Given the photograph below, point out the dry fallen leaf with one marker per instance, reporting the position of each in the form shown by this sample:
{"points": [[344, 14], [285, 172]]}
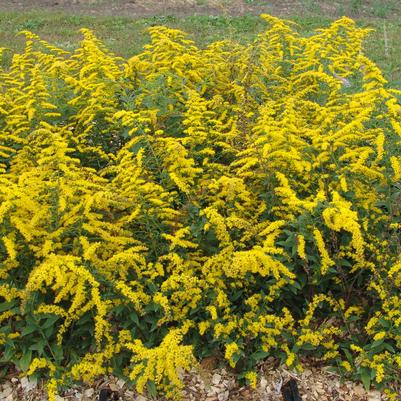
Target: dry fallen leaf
{"points": [[374, 396]]}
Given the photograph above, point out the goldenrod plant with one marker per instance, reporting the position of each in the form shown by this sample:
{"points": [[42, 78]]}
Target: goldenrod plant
{"points": [[238, 200]]}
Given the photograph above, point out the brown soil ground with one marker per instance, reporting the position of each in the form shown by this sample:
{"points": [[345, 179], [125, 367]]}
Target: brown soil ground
{"points": [[144, 8]]}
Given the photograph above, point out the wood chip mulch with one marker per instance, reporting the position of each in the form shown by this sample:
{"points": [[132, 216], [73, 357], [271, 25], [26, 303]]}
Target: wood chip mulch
{"points": [[314, 384]]}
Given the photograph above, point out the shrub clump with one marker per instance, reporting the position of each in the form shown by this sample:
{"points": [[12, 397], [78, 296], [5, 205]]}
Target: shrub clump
{"points": [[240, 200]]}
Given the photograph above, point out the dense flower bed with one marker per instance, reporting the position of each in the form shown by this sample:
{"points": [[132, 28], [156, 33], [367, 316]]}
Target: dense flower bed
{"points": [[236, 200]]}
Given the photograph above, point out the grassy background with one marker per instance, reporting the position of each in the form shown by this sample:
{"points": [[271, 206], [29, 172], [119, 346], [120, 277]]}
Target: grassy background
{"points": [[126, 35]]}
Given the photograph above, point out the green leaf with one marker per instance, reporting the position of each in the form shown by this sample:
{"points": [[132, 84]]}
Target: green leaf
{"points": [[151, 388], [25, 361], [348, 355], [365, 378], [296, 285], [376, 344], [308, 347], [5, 306], [29, 330], [331, 369], [134, 318], [57, 351], [48, 332], [389, 347], [258, 355], [345, 262], [39, 346], [154, 325], [84, 320], [8, 353], [50, 321]]}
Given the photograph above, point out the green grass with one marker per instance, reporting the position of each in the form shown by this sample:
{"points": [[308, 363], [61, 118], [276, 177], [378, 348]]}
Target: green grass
{"points": [[126, 36]]}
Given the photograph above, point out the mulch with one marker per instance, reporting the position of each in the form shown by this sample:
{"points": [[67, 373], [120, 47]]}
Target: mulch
{"points": [[313, 384]]}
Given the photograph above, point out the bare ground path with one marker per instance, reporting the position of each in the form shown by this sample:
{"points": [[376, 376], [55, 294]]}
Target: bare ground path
{"points": [[142, 8], [145, 8]]}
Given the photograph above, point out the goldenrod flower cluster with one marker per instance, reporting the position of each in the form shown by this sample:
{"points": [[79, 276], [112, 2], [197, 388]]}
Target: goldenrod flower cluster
{"points": [[238, 199]]}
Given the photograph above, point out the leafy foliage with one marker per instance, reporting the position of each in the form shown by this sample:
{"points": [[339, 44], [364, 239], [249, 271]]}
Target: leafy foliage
{"points": [[242, 200]]}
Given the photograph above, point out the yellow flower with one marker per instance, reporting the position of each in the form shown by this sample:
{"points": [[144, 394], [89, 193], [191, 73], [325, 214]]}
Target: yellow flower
{"points": [[153, 203], [301, 247], [252, 378], [379, 336], [231, 350], [395, 164], [347, 366], [379, 373], [356, 348], [326, 260]]}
